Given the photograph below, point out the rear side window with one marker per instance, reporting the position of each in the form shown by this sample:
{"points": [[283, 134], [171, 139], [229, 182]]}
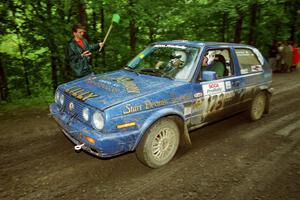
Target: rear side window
{"points": [[248, 61]]}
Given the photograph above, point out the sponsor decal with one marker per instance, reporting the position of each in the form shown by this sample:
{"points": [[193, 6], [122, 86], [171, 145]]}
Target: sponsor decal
{"points": [[256, 68], [244, 71], [131, 109], [117, 78], [175, 98], [154, 104], [197, 105], [213, 88], [131, 87], [228, 85], [80, 93], [103, 84], [127, 82], [213, 103], [187, 110], [198, 95], [144, 106], [141, 56]]}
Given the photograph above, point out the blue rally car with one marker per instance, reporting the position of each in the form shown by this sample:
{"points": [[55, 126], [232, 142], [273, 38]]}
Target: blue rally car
{"points": [[167, 90]]}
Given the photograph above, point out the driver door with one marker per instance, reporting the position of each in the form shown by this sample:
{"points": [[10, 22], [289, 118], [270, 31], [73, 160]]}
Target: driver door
{"points": [[214, 99]]}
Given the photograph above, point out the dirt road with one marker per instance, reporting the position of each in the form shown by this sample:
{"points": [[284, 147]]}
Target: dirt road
{"points": [[231, 159]]}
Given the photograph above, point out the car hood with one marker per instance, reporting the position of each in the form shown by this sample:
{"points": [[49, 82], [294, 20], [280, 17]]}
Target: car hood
{"points": [[105, 90]]}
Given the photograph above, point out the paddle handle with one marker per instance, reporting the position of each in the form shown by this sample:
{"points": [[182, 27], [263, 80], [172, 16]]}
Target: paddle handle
{"points": [[105, 38]]}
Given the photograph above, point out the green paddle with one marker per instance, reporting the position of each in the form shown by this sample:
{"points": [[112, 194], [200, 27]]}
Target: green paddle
{"points": [[115, 19]]}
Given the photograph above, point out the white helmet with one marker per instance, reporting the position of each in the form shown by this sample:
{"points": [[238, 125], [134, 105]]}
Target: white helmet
{"points": [[180, 55], [210, 56]]}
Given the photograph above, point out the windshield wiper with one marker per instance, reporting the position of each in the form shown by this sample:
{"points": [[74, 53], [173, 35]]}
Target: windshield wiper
{"points": [[167, 76], [154, 72], [131, 70]]}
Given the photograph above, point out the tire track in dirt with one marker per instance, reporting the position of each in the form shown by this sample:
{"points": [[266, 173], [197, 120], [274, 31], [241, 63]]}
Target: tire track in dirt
{"points": [[138, 185], [253, 174], [226, 157]]}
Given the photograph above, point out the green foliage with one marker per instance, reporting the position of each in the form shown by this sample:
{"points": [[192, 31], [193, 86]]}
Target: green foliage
{"points": [[34, 33], [43, 99]]}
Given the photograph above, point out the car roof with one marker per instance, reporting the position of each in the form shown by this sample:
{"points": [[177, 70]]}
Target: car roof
{"points": [[199, 43]]}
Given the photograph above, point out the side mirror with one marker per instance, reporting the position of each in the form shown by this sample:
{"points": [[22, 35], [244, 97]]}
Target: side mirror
{"points": [[209, 75]]}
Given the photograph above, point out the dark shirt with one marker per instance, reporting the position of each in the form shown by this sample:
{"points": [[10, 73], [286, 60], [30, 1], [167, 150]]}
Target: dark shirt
{"points": [[217, 67], [80, 65], [273, 52]]}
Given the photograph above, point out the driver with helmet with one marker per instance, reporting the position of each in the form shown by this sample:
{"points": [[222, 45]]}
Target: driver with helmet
{"points": [[178, 59], [210, 64]]}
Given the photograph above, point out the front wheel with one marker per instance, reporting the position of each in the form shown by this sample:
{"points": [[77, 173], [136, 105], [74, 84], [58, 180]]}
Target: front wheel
{"points": [[159, 144], [258, 106]]}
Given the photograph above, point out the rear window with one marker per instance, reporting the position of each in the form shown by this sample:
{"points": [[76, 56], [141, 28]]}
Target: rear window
{"points": [[248, 61]]}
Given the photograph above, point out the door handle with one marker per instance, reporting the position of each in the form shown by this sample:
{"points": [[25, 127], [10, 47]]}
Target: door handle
{"points": [[235, 83]]}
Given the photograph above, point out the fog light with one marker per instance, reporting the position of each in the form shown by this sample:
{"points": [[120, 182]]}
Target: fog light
{"points": [[85, 114]]}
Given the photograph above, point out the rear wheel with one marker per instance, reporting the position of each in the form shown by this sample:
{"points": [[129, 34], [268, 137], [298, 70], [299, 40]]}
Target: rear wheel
{"points": [[159, 143], [258, 106]]}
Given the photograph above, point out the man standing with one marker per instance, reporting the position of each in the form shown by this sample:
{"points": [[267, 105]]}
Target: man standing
{"points": [[79, 52], [273, 54]]}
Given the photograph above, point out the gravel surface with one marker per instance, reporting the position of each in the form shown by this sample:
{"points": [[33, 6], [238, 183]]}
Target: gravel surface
{"points": [[231, 159]]}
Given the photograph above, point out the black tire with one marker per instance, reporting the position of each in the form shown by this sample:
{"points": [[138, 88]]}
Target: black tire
{"points": [[159, 144], [258, 106]]}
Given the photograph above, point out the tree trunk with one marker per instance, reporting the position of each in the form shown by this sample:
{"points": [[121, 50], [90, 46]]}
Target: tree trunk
{"points": [[96, 36], [132, 35], [238, 30], [102, 33], [151, 33], [52, 47], [223, 26], [82, 18], [3, 82], [238, 26], [253, 15], [132, 26], [53, 71], [294, 13], [27, 87]]}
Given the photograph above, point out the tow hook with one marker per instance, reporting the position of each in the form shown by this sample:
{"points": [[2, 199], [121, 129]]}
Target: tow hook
{"points": [[78, 147]]}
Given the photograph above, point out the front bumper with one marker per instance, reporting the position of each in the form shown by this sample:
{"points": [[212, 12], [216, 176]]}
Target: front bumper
{"points": [[106, 145]]}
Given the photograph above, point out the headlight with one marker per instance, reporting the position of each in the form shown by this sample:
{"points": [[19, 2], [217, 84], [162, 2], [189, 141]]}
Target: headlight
{"points": [[86, 114], [56, 97], [98, 121], [61, 99]]}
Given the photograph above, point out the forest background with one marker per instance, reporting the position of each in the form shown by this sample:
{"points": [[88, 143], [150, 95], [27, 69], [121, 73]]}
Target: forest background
{"points": [[34, 34]]}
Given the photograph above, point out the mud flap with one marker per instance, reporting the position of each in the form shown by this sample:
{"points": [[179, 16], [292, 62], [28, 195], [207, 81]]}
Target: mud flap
{"points": [[269, 94], [185, 139]]}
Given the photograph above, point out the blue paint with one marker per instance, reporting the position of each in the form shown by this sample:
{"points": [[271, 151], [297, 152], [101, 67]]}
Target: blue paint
{"points": [[126, 96]]}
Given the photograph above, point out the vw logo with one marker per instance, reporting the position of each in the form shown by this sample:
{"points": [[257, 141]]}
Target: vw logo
{"points": [[71, 106]]}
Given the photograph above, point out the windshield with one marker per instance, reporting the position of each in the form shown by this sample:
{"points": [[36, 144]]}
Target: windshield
{"points": [[170, 61]]}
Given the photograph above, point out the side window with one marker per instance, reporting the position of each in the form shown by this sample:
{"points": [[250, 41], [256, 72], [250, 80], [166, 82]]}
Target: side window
{"points": [[248, 61], [218, 60]]}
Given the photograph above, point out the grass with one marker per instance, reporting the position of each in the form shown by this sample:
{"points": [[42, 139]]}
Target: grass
{"points": [[27, 103]]}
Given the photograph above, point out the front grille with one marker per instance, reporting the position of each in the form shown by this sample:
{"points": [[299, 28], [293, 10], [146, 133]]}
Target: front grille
{"points": [[78, 107]]}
